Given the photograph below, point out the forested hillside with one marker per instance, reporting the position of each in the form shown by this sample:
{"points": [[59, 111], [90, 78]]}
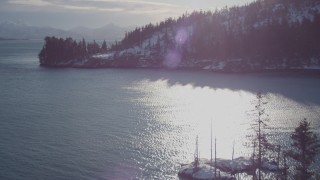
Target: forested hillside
{"points": [[265, 34]]}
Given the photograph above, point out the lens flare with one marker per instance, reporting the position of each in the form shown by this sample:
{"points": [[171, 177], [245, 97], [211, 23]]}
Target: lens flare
{"points": [[181, 36], [174, 56], [172, 59]]}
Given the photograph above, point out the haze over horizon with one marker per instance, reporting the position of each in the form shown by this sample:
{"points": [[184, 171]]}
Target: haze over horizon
{"points": [[67, 14]]}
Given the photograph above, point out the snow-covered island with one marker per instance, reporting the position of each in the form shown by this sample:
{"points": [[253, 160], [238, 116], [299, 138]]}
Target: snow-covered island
{"points": [[261, 36]]}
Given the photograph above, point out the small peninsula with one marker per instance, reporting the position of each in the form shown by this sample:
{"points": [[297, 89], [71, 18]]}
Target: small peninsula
{"points": [[261, 36]]}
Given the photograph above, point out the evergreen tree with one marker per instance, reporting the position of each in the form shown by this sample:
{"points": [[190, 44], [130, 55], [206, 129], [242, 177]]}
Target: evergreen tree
{"points": [[104, 47], [260, 137], [306, 146], [93, 48], [58, 50], [83, 47]]}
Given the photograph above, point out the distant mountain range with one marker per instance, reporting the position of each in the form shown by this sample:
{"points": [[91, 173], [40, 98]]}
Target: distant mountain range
{"points": [[107, 32], [21, 30]]}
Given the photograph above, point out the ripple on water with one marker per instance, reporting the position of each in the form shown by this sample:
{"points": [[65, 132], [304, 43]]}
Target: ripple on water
{"points": [[129, 124]]}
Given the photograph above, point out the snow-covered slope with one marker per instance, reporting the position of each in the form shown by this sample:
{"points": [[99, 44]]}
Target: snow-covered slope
{"points": [[213, 40]]}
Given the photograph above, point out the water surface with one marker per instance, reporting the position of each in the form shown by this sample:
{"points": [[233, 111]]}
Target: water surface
{"points": [[133, 123]]}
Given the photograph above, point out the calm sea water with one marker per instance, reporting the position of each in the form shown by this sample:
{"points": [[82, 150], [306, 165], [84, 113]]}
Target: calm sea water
{"points": [[133, 124]]}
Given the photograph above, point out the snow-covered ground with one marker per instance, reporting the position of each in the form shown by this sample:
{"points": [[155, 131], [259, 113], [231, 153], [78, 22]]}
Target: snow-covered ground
{"points": [[156, 47], [226, 169]]}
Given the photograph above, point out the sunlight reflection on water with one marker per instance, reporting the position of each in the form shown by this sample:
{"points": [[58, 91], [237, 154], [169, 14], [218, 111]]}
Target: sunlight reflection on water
{"points": [[193, 109], [178, 113], [84, 124]]}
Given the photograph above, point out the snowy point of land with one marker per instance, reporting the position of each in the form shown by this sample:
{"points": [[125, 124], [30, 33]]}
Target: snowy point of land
{"points": [[226, 169], [103, 56]]}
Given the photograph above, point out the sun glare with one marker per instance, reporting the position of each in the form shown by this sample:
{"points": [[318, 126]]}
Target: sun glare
{"points": [[194, 109]]}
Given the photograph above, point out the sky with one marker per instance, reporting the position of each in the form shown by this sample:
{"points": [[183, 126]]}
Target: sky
{"points": [[67, 14]]}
